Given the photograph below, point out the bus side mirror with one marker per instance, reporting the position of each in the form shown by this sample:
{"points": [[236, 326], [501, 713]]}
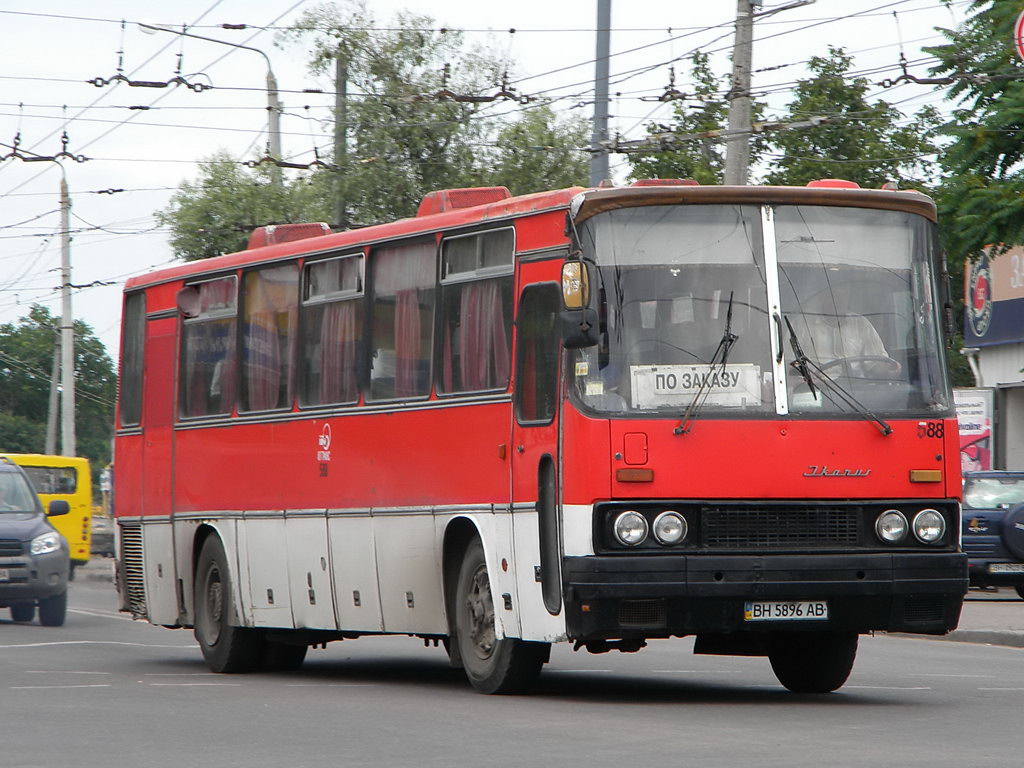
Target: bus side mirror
{"points": [[579, 317], [57, 508]]}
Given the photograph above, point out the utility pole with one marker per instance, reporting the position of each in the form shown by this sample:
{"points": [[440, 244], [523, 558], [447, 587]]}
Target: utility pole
{"points": [[737, 147], [67, 330], [598, 143], [54, 402], [340, 132]]}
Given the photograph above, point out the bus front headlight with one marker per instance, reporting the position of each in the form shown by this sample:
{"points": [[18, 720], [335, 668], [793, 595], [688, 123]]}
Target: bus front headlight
{"points": [[630, 528], [891, 526], [669, 527], [929, 526]]}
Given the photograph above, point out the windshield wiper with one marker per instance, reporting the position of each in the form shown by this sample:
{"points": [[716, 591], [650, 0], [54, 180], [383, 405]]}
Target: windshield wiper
{"points": [[715, 366], [830, 388]]}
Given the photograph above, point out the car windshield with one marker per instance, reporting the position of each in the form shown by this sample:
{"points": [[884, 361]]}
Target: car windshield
{"points": [[686, 295], [15, 493], [993, 492]]}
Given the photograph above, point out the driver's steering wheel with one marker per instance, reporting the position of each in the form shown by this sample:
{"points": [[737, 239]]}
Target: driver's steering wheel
{"points": [[894, 365]]}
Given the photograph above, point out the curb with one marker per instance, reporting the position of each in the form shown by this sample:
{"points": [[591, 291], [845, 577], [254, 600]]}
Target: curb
{"points": [[987, 637], [1004, 637]]}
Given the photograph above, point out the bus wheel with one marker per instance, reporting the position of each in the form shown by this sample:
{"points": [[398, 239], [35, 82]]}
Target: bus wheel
{"points": [[492, 665], [225, 648], [812, 662], [23, 612], [53, 609]]}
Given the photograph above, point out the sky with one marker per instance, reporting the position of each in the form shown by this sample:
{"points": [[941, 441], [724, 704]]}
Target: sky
{"points": [[58, 59]]}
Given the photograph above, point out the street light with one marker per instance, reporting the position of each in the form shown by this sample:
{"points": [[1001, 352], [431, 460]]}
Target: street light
{"points": [[273, 103]]}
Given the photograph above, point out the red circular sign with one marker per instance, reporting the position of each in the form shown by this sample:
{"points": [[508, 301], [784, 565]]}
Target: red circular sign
{"points": [[1018, 35]]}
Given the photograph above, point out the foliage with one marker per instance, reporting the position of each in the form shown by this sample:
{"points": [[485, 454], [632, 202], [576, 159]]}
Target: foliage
{"points": [[981, 201], [863, 141], [683, 157], [539, 151], [26, 358], [403, 138], [215, 214]]}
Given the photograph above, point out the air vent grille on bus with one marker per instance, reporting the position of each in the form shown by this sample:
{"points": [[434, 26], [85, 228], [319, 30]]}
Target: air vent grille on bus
{"points": [[133, 569], [779, 527]]}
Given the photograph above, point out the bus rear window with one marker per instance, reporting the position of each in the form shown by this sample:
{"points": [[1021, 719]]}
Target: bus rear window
{"points": [[52, 479]]}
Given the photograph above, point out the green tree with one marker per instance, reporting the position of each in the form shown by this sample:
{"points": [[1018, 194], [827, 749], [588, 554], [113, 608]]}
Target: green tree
{"points": [[407, 132], [26, 358], [216, 213], [981, 201], [869, 142], [539, 151], [686, 154]]}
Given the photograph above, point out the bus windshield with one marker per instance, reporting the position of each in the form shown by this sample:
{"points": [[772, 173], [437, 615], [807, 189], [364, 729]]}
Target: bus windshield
{"points": [[714, 303]]}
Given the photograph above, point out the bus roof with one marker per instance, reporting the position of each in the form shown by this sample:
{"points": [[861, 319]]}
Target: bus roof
{"points": [[594, 201], [459, 217]]}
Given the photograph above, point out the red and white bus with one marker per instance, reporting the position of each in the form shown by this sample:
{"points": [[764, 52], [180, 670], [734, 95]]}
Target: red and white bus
{"points": [[590, 415]]}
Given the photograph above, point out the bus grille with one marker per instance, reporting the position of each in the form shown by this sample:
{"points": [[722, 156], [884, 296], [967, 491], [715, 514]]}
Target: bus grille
{"points": [[780, 527], [132, 566], [11, 548]]}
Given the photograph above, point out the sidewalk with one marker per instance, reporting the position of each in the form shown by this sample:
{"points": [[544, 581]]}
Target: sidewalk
{"points": [[995, 618]]}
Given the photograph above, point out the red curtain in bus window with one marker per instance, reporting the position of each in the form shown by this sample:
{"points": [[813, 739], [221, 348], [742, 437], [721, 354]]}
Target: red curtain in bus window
{"points": [[407, 343], [482, 339], [339, 335]]}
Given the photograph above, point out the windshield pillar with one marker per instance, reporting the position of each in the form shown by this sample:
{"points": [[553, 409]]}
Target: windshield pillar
{"points": [[776, 335]]}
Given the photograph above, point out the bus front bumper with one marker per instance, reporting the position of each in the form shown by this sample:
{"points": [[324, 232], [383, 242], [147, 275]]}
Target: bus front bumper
{"points": [[641, 596]]}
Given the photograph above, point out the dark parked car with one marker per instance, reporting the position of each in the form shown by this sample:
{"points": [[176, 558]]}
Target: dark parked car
{"points": [[993, 528], [34, 557]]}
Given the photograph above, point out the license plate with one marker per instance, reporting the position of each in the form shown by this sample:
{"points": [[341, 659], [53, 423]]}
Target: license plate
{"points": [[5, 574], [1006, 567], [786, 610]]}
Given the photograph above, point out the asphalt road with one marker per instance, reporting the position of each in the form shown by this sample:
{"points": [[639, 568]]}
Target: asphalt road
{"points": [[104, 690]]}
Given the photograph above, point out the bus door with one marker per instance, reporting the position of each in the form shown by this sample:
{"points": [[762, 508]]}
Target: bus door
{"points": [[535, 461], [158, 414]]}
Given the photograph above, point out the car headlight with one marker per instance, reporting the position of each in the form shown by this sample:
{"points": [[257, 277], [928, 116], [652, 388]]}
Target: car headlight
{"points": [[891, 526], [929, 526], [48, 542], [669, 527], [630, 528]]}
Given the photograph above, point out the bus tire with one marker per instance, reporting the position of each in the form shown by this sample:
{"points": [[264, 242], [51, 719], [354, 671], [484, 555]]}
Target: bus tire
{"points": [[492, 665], [225, 647], [52, 610], [23, 612], [812, 662]]}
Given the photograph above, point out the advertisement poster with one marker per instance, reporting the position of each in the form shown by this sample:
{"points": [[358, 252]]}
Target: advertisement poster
{"points": [[974, 413]]}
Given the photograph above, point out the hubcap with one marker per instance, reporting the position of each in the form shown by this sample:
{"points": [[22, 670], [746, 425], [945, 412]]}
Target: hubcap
{"points": [[480, 610]]}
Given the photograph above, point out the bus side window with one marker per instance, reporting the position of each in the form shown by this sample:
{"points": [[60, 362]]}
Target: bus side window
{"points": [[269, 312], [208, 351], [332, 323], [537, 354], [403, 320], [476, 311], [132, 342]]}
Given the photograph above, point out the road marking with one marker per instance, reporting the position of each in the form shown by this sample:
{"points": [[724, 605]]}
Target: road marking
{"points": [[61, 672], [889, 687], [101, 614], [576, 671], [192, 685], [695, 671], [1001, 689], [333, 685], [936, 674], [50, 687], [95, 642], [176, 674]]}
